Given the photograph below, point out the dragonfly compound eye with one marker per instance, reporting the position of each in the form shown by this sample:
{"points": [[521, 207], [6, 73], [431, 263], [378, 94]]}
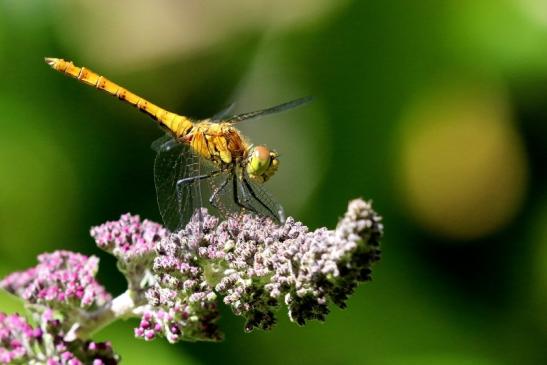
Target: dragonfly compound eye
{"points": [[262, 163]]}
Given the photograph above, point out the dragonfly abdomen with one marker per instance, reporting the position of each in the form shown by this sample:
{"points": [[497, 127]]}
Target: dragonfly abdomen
{"points": [[177, 124]]}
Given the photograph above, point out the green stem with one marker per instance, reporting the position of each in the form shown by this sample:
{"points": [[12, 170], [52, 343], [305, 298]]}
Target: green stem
{"points": [[126, 305]]}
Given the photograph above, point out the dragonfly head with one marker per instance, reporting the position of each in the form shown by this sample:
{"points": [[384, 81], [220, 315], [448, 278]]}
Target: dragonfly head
{"points": [[262, 163]]}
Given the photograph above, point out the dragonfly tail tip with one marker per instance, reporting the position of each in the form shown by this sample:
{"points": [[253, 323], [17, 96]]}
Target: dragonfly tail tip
{"points": [[51, 61]]}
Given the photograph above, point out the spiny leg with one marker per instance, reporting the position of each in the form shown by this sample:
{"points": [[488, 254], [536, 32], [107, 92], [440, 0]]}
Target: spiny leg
{"points": [[193, 179], [247, 201], [212, 199], [190, 180], [252, 192], [236, 195]]}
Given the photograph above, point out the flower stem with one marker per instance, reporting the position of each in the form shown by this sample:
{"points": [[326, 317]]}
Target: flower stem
{"points": [[126, 305]]}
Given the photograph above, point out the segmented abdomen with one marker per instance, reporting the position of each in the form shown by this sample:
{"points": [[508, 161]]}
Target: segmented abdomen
{"points": [[178, 124]]}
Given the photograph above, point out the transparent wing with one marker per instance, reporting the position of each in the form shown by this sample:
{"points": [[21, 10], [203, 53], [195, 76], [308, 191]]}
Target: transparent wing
{"points": [[177, 202], [275, 109], [260, 201], [222, 196], [162, 142], [221, 115]]}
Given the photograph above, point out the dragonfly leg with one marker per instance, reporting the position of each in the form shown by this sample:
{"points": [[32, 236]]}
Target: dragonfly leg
{"points": [[236, 196], [252, 192], [193, 179], [212, 199], [247, 200], [182, 183]]}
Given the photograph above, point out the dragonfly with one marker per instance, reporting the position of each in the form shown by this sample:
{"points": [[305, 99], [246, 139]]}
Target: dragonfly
{"points": [[200, 158]]}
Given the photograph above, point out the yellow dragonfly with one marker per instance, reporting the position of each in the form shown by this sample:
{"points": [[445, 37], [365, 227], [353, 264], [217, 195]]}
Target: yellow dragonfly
{"points": [[207, 157]]}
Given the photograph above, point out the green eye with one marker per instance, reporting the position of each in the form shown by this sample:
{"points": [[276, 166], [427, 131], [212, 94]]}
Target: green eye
{"points": [[259, 161]]}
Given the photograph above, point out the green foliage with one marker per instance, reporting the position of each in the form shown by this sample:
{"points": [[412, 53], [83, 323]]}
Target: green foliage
{"points": [[72, 157]]}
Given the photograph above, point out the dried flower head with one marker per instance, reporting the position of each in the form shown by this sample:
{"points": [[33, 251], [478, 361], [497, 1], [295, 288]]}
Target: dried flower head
{"points": [[256, 264]]}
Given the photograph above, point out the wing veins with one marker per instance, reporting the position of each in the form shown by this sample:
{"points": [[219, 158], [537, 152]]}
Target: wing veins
{"points": [[272, 110]]}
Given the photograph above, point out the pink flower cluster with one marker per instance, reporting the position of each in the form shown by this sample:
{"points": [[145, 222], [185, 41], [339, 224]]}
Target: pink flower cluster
{"points": [[256, 265], [15, 336], [175, 279], [133, 243], [61, 279], [128, 238], [182, 304], [20, 343]]}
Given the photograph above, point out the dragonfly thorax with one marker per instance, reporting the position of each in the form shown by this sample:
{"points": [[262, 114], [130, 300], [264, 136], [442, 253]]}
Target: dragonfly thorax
{"points": [[261, 163], [219, 143]]}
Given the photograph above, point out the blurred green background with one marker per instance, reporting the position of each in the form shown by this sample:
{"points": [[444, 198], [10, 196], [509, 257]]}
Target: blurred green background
{"points": [[436, 110]]}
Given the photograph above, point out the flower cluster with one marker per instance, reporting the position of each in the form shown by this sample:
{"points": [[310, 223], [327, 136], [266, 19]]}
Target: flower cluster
{"points": [[182, 302], [256, 264], [132, 242], [175, 280], [61, 280], [21, 343]]}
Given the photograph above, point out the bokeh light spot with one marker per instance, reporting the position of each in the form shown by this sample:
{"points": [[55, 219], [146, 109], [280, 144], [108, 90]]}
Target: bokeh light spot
{"points": [[463, 169], [131, 39]]}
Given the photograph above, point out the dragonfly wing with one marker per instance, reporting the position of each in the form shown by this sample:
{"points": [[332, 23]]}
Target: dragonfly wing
{"points": [[177, 202], [260, 201], [162, 143], [275, 109], [221, 115], [220, 190]]}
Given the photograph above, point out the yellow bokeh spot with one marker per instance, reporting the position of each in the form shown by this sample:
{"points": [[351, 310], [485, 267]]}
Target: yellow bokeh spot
{"points": [[463, 170]]}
